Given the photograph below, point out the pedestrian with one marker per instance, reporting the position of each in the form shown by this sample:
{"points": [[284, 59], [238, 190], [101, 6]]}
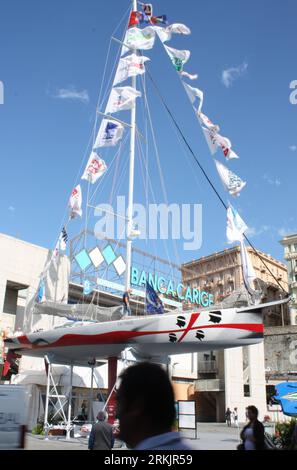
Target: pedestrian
{"points": [[84, 410], [228, 416], [126, 302], [252, 435], [294, 438], [101, 436], [146, 409], [235, 417]]}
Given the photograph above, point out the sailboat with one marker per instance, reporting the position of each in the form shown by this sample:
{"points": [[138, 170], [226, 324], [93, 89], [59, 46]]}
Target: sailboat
{"points": [[148, 336]]}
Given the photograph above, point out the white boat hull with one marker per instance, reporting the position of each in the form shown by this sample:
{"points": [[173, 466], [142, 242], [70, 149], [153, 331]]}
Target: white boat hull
{"points": [[149, 336]]}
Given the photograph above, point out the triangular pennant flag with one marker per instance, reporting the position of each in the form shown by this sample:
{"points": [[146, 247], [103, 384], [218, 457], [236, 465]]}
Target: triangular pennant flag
{"points": [[194, 93], [189, 75], [232, 183], [165, 34], [206, 122], [235, 226], [178, 57], [209, 137]]}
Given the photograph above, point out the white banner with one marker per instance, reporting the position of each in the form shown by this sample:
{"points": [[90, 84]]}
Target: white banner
{"points": [[109, 134], [121, 98], [130, 66], [95, 168], [143, 39], [75, 202]]}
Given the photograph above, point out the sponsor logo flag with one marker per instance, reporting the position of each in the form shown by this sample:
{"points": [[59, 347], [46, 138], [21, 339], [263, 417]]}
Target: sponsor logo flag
{"points": [[121, 98], [153, 304], [206, 122], [178, 57], [75, 202], [94, 168], [41, 292], [235, 226], [231, 182], [130, 66], [165, 34], [109, 134], [136, 38]]}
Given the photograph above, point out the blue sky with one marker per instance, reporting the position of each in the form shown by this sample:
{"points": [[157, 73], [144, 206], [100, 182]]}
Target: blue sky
{"points": [[52, 60]]}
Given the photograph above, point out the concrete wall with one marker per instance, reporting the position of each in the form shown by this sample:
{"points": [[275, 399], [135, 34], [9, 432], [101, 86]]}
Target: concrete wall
{"points": [[281, 349], [234, 396], [21, 265]]}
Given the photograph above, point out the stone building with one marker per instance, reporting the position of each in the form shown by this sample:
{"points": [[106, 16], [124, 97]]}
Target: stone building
{"points": [[289, 243]]}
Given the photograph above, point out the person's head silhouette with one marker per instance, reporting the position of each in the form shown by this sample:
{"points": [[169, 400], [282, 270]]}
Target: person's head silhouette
{"points": [[145, 403]]}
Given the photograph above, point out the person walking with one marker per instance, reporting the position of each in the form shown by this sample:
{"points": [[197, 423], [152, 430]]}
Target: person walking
{"points": [[101, 436], [252, 435], [126, 302], [235, 417], [228, 416], [146, 409]]}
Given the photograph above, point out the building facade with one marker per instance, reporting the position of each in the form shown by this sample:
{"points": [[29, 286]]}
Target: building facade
{"points": [[215, 379], [289, 243]]}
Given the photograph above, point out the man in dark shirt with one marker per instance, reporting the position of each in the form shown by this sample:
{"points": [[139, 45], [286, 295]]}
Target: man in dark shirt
{"points": [[126, 298], [101, 436]]}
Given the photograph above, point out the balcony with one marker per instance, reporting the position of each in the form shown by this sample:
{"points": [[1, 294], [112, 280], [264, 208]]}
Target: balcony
{"points": [[292, 255], [212, 385], [207, 367]]}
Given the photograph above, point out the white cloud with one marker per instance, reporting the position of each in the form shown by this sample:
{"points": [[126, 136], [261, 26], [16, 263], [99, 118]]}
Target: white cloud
{"points": [[283, 231], [293, 148], [71, 93], [233, 73], [11, 209], [254, 232], [271, 180]]}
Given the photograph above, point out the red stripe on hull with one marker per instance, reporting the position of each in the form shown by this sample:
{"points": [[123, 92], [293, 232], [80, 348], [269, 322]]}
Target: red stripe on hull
{"points": [[118, 337]]}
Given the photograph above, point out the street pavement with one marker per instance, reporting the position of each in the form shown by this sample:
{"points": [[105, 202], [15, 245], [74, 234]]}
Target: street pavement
{"points": [[210, 436]]}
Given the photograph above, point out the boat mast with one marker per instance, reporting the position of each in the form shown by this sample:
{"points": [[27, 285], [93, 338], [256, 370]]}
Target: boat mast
{"points": [[129, 225]]}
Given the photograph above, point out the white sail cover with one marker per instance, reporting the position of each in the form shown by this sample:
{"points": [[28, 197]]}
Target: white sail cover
{"points": [[194, 93], [178, 57], [165, 34], [130, 66], [231, 182], [121, 98], [248, 271], [109, 134], [75, 202], [142, 39], [235, 226], [95, 168]]}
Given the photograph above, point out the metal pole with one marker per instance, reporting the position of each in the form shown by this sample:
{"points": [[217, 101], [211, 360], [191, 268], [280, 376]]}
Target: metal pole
{"points": [[131, 180], [69, 404], [90, 413], [46, 425]]}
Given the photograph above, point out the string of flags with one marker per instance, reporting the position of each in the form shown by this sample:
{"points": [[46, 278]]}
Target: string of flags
{"points": [[122, 98]]}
